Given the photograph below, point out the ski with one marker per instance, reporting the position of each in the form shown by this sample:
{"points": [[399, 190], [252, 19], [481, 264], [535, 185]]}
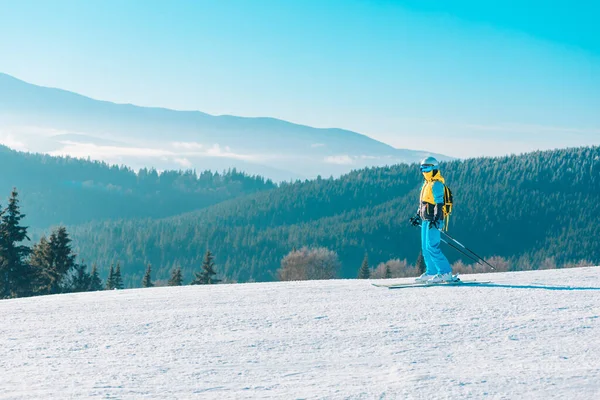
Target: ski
{"points": [[425, 284]]}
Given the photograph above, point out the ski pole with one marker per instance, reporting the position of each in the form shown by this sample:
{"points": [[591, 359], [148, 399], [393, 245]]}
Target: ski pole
{"points": [[467, 249], [472, 257], [462, 251], [458, 249]]}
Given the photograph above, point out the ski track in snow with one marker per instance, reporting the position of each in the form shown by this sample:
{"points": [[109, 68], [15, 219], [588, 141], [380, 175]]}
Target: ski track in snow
{"points": [[343, 339]]}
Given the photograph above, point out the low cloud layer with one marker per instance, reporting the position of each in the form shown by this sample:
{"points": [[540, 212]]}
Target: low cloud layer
{"points": [[339, 160], [9, 140]]}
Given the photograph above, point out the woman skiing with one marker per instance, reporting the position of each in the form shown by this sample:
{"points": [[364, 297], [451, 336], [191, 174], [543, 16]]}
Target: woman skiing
{"points": [[431, 217]]}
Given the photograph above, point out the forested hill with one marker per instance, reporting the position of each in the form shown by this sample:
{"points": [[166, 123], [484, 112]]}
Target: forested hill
{"points": [[58, 190], [528, 207]]}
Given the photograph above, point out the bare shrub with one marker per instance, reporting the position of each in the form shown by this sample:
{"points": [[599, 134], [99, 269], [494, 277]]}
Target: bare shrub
{"points": [[500, 264], [579, 264], [309, 264], [398, 269], [459, 267], [548, 263]]}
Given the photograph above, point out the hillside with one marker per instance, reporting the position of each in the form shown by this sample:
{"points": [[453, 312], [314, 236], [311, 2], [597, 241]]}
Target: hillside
{"points": [[528, 335], [56, 121], [58, 190], [526, 208]]}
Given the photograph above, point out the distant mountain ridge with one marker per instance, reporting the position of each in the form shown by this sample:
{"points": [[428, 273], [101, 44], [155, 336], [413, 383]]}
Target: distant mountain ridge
{"points": [[187, 138], [61, 190]]}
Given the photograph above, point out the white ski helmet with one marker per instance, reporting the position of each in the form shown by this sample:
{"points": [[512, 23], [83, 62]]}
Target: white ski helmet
{"points": [[430, 161]]}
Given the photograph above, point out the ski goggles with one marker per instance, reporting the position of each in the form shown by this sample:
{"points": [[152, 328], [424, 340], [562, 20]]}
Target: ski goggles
{"points": [[426, 168]]}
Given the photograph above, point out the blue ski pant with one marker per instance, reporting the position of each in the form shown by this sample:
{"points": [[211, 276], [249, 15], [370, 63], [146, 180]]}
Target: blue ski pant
{"points": [[435, 260]]}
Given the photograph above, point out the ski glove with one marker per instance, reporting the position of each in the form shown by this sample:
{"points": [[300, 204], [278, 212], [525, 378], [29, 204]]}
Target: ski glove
{"points": [[416, 220]]}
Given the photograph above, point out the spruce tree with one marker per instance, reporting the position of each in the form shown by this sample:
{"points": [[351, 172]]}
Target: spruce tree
{"points": [[63, 259], [118, 279], [95, 281], [16, 273], [205, 277], [81, 280], [42, 262], [365, 271], [176, 277], [110, 281], [147, 281], [421, 267]]}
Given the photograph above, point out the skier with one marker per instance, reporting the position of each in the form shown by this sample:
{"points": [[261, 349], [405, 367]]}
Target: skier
{"points": [[431, 217]]}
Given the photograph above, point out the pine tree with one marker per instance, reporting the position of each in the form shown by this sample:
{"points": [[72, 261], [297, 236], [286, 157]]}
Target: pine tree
{"points": [[147, 281], [15, 272], [81, 280], [421, 267], [205, 277], [42, 262], [364, 272], [388, 271], [118, 279], [95, 281], [176, 277], [63, 260], [110, 281]]}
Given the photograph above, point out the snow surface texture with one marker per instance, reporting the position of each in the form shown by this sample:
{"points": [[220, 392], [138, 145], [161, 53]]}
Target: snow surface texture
{"points": [[531, 336]]}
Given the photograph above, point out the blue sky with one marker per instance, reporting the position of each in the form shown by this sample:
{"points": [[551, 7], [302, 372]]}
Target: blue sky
{"points": [[465, 79]]}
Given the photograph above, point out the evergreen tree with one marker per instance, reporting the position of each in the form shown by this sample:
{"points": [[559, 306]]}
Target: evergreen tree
{"points": [[205, 277], [176, 277], [118, 279], [42, 262], [147, 281], [56, 261], [95, 281], [81, 280], [15, 272], [365, 271], [421, 267], [110, 281], [388, 271]]}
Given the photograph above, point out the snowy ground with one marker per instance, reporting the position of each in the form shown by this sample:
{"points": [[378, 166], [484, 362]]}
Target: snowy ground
{"points": [[529, 337]]}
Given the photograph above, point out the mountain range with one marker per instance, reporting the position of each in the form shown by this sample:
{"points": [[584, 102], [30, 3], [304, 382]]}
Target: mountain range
{"points": [[526, 208], [58, 122]]}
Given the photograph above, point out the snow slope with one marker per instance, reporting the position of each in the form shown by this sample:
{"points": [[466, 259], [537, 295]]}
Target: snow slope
{"points": [[534, 335]]}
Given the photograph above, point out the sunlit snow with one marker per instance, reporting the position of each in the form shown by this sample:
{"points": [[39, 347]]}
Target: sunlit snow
{"points": [[533, 335]]}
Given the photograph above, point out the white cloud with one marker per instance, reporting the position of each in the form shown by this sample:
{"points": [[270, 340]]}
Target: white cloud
{"points": [[83, 150], [374, 157], [192, 149], [184, 162], [339, 160], [216, 151], [10, 141], [120, 154]]}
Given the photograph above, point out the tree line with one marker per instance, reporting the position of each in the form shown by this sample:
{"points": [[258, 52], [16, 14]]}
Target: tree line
{"points": [[50, 266]]}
